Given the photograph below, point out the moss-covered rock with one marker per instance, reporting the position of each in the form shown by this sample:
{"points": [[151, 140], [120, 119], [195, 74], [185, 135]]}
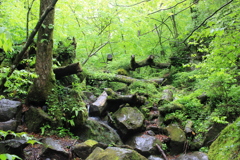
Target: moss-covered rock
{"points": [[83, 150], [36, 118], [98, 131], [178, 139], [227, 145], [115, 153], [128, 120]]}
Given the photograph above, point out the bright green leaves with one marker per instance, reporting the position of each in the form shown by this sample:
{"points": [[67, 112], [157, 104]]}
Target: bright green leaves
{"points": [[8, 157], [5, 39]]}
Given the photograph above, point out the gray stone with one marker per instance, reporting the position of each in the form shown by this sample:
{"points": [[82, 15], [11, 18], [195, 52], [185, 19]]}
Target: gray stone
{"points": [[8, 109], [193, 156], [10, 125], [145, 144], [98, 131], [128, 120], [53, 150]]}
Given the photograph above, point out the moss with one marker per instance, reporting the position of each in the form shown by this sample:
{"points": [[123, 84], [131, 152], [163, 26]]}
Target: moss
{"points": [[227, 145], [122, 71], [90, 142]]}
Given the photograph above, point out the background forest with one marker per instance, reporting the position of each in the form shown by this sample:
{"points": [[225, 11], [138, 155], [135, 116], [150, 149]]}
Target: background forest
{"points": [[198, 38]]}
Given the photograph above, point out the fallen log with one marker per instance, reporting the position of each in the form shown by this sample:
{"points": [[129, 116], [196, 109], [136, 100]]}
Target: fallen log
{"points": [[147, 62], [97, 107], [119, 78], [73, 68]]}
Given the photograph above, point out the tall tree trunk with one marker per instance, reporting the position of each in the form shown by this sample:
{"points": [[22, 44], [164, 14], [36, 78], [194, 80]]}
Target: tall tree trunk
{"points": [[42, 85]]}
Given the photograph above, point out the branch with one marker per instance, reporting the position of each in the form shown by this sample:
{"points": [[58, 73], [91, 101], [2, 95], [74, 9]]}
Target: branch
{"points": [[206, 20], [132, 4], [28, 43], [94, 53], [160, 149], [167, 8]]}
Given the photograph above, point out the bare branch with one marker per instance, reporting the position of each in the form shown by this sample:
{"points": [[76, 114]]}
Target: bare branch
{"points": [[131, 4], [94, 53], [167, 8], [206, 20]]}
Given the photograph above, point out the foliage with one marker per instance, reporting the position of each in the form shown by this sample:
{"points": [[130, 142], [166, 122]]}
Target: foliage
{"points": [[18, 83], [227, 144], [8, 157]]}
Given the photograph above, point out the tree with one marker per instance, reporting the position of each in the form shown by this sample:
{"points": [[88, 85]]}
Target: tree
{"points": [[42, 85]]}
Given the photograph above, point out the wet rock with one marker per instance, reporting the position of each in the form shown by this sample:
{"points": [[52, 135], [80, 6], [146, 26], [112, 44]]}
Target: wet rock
{"points": [[98, 131], [8, 109], [53, 150], [35, 118], [10, 125], [144, 144], [128, 120], [115, 153], [178, 139], [154, 158], [13, 146], [88, 97], [83, 150], [193, 156]]}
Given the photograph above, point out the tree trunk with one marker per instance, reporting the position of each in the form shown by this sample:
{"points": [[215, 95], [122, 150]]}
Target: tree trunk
{"points": [[42, 85], [74, 68]]}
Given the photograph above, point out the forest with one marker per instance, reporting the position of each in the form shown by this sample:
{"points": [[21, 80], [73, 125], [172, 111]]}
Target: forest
{"points": [[103, 73]]}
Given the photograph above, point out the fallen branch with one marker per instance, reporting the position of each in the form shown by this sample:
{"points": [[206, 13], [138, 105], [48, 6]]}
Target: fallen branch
{"points": [[74, 68], [160, 149]]}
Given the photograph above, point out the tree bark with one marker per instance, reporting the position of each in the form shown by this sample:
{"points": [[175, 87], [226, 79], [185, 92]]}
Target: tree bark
{"points": [[42, 85], [74, 68], [27, 44]]}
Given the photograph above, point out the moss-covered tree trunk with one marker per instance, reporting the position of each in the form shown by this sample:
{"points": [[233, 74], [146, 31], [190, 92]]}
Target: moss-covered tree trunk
{"points": [[42, 85]]}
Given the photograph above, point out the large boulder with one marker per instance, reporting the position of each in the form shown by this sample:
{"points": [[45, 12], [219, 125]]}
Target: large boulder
{"points": [[35, 118], [128, 120], [53, 150], [84, 149], [8, 125], [98, 131], [227, 145], [193, 156], [8, 109], [178, 139], [144, 144], [13, 146], [115, 153]]}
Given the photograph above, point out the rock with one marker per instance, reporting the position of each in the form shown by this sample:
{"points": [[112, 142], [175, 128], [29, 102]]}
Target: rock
{"points": [[193, 156], [144, 144], [128, 120], [8, 109], [178, 139], [98, 131], [10, 125], [154, 158], [115, 153], [53, 150], [227, 145], [88, 97], [213, 132], [35, 118], [83, 150], [13, 146], [166, 97]]}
